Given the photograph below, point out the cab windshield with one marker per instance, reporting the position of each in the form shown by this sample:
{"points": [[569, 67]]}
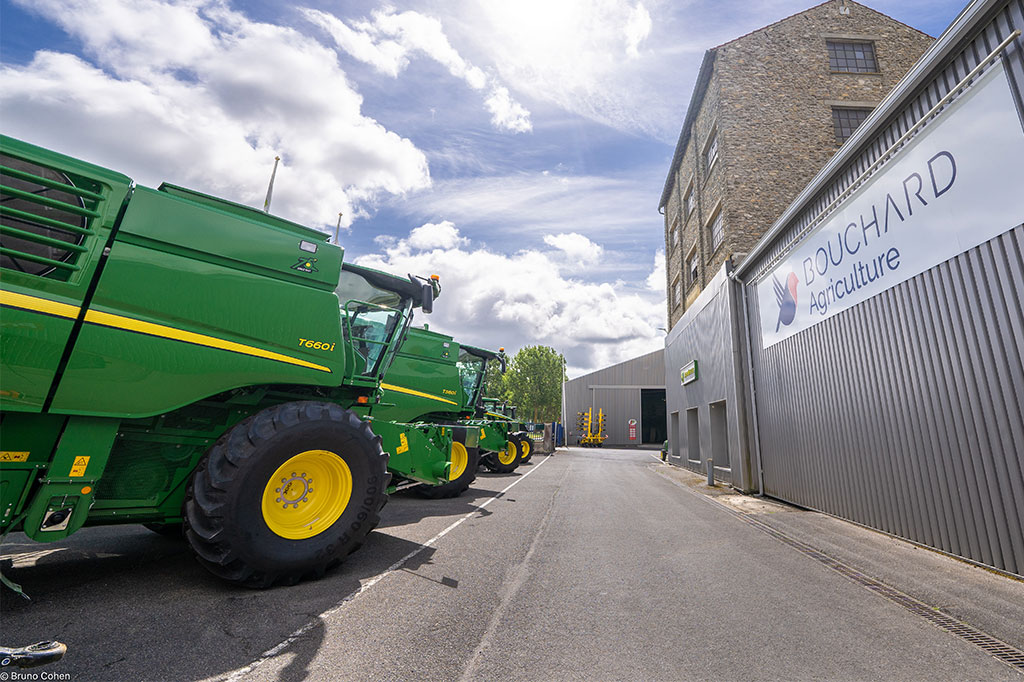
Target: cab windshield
{"points": [[352, 286], [371, 316], [471, 372]]}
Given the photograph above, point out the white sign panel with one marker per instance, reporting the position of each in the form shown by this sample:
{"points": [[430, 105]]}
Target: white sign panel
{"points": [[957, 184]]}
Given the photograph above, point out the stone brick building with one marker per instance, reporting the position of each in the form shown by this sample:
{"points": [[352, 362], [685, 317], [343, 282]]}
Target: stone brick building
{"points": [[767, 111]]}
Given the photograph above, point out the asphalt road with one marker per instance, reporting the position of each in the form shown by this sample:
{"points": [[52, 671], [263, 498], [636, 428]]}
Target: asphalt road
{"points": [[593, 565]]}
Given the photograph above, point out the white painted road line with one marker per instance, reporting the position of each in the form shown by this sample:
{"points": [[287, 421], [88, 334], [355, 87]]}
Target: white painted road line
{"points": [[295, 636]]}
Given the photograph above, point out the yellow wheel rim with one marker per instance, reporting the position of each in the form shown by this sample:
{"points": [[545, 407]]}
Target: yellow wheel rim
{"points": [[509, 454], [460, 461], [526, 448], [307, 494]]}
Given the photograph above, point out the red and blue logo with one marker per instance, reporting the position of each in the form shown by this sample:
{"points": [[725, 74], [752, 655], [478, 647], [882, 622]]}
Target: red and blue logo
{"points": [[785, 296]]}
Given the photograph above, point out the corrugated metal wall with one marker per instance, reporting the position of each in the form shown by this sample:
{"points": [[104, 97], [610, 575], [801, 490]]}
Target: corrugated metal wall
{"points": [[706, 334], [616, 390], [905, 413]]}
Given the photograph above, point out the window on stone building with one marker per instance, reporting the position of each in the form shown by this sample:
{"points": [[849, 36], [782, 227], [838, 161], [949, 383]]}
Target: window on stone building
{"points": [[677, 292], [711, 150], [674, 236], [851, 57], [717, 229], [688, 200], [691, 266], [846, 119]]}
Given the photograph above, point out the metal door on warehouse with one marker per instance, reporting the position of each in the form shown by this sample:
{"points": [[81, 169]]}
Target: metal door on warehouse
{"points": [[653, 423]]}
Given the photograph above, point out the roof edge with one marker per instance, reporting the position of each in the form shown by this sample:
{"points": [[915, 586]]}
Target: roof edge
{"points": [[696, 99]]}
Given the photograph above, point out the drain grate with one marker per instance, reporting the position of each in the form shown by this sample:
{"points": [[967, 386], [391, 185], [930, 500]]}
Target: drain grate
{"points": [[1010, 655]]}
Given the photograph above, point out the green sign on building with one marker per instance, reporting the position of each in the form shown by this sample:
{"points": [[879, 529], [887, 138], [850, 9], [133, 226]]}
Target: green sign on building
{"points": [[688, 374]]}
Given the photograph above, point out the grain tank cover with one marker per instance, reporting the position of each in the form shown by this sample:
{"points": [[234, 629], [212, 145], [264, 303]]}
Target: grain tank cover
{"points": [[199, 227]]}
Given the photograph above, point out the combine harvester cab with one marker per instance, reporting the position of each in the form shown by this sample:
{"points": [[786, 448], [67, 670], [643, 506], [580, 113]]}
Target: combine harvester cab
{"points": [[502, 447], [177, 360]]}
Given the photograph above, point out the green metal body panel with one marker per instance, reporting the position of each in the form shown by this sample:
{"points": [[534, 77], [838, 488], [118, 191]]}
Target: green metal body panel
{"points": [[423, 382], [32, 347], [175, 316], [70, 481], [169, 255], [493, 433], [421, 451], [26, 444]]}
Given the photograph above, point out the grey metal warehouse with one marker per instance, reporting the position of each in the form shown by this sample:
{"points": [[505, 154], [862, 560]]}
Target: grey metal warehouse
{"points": [[631, 390], [866, 359]]}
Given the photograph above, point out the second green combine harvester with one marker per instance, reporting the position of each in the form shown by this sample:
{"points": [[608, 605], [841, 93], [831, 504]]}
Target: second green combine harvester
{"points": [[435, 379]]}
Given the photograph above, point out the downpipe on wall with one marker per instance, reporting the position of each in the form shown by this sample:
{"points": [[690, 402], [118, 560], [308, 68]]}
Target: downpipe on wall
{"points": [[750, 383]]}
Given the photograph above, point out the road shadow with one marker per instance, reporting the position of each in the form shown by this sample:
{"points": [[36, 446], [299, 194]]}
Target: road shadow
{"points": [[131, 604], [407, 507]]}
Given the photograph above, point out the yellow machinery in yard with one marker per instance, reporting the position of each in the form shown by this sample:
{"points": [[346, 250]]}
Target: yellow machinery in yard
{"points": [[591, 428]]}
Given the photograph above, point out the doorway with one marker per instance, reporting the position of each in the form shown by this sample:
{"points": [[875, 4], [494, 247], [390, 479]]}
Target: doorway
{"points": [[653, 417]]}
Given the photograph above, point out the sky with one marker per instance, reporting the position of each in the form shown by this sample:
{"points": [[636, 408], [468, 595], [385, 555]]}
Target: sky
{"points": [[516, 149]]}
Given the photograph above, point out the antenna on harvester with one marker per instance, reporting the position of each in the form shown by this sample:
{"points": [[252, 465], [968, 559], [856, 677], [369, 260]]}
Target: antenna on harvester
{"points": [[338, 227], [270, 188]]}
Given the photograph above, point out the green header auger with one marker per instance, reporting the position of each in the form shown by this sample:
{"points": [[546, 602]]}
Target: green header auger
{"points": [[177, 360], [434, 378]]}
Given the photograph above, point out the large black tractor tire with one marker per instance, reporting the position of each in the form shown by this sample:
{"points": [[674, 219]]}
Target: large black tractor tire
{"points": [[504, 461], [525, 445], [466, 459], [286, 494]]}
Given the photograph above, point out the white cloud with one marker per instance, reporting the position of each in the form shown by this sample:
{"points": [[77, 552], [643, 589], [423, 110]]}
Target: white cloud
{"points": [[200, 95], [657, 279], [576, 247], [637, 29], [535, 204], [506, 112], [528, 297], [443, 235], [389, 41], [584, 56]]}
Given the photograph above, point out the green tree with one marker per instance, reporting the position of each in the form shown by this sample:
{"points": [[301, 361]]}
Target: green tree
{"points": [[534, 382]]}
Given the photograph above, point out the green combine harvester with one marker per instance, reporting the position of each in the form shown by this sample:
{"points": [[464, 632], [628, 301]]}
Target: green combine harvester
{"points": [[173, 359], [436, 379], [499, 410]]}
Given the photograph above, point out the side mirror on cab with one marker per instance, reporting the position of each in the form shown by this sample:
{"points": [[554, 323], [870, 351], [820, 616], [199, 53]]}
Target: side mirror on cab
{"points": [[428, 297]]}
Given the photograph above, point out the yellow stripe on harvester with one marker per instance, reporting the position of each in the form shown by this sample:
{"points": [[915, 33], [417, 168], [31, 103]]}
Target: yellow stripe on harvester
{"points": [[48, 307], [129, 324], [401, 389], [38, 305]]}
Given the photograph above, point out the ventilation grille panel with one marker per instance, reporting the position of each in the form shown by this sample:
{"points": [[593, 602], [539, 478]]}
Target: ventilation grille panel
{"points": [[44, 219]]}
